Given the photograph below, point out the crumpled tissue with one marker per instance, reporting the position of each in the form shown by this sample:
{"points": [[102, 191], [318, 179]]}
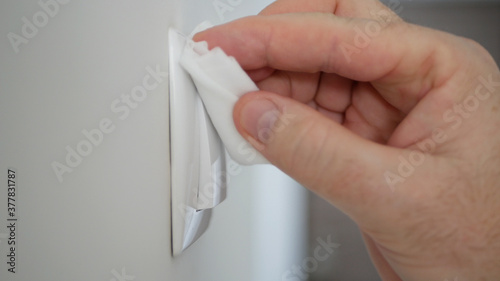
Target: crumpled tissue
{"points": [[221, 81]]}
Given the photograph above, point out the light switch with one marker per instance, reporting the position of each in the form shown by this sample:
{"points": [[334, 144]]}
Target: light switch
{"points": [[198, 167], [212, 181]]}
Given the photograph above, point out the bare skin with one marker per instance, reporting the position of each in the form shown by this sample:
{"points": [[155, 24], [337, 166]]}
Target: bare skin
{"points": [[399, 130]]}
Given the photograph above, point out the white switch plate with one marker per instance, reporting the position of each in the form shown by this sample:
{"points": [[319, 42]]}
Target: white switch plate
{"points": [[198, 179]]}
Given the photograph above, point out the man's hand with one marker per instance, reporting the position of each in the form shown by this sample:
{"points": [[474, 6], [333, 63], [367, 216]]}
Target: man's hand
{"points": [[395, 124]]}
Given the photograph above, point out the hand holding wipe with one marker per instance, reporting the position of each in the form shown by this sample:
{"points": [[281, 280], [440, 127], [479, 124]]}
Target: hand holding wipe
{"points": [[221, 81]]}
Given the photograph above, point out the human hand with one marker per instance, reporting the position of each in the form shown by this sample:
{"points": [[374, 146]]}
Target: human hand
{"points": [[395, 124]]}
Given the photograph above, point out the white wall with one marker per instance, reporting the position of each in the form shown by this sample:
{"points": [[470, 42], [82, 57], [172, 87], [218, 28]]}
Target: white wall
{"points": [[112, 212]]}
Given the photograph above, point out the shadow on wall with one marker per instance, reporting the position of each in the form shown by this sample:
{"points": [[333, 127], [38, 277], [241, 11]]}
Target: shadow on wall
{"points": [[478, 20]]}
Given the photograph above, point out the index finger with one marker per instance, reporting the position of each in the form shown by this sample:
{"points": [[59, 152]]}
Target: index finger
{"points": [[368, 9], [356, 48]]}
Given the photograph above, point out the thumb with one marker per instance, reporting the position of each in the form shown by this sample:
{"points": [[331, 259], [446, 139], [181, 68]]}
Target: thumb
{"points": [[321, 154]]}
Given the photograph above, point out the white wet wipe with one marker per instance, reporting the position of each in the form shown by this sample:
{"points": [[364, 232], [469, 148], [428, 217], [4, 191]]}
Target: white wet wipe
{"points": [[221, 81]]}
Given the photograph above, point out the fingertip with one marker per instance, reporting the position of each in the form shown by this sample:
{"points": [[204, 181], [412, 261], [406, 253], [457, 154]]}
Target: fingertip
{"points": [[199, 36], [214, 36], [241, 39], [205, 35]]}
